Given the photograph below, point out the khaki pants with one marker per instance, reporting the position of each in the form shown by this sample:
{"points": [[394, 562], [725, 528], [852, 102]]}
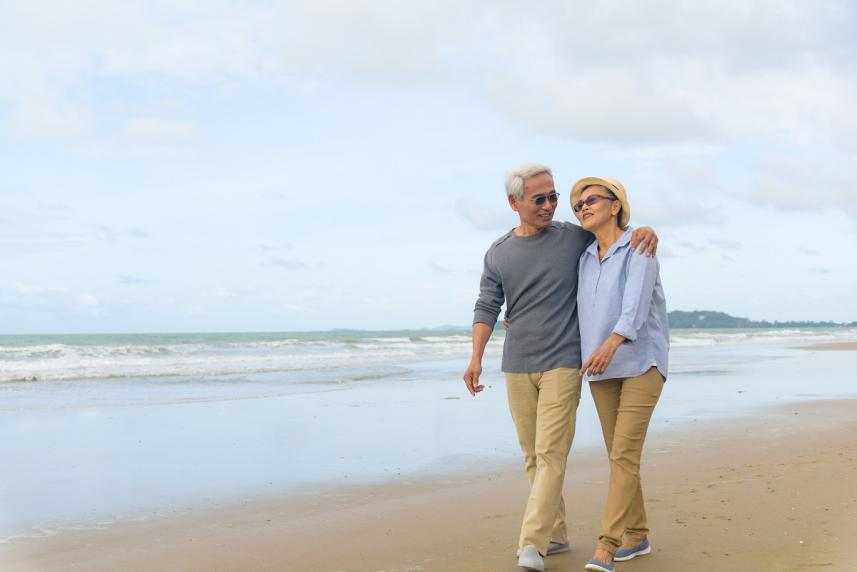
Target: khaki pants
{"points": [[543, 407], [625, 407]]}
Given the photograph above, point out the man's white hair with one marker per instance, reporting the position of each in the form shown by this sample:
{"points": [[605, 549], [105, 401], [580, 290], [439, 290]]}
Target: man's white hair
{"points": [[516, 179]]}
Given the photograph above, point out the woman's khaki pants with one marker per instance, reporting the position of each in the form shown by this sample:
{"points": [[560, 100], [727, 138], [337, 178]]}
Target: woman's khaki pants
{"points": [[544, 406], [625, 406]]}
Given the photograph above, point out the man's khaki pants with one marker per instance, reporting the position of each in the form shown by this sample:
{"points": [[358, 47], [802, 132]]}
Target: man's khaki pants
{"points": [[625, 406], [544, 406]]}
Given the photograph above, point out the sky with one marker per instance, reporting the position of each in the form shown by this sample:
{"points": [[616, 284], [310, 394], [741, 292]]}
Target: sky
{"points": [[284, 166]]}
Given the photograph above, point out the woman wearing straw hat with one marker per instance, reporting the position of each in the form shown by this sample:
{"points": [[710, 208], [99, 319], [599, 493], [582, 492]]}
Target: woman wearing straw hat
{"points": [[624, 343]]}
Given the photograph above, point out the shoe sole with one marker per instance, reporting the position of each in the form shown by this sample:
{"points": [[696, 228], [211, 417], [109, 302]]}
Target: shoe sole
{"points": [[596, 567], [564, 548], [534, 567], [633, 555]]}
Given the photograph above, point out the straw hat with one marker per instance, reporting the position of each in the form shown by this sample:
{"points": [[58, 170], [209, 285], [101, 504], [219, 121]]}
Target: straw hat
{"points": [[612, 185]]}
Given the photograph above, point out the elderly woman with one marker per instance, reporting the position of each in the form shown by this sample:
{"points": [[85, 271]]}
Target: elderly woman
{"points": [[624, 343]]}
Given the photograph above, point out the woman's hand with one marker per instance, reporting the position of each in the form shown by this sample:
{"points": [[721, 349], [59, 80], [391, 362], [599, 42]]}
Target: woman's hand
{"points": [[597, 363]]}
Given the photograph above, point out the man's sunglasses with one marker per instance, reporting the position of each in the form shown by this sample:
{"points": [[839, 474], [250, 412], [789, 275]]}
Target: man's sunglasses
{"points": [[540, 200], [589, 201]]}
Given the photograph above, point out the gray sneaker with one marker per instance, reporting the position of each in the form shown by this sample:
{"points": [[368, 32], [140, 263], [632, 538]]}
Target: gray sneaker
{"points": [[553, 548], [530, 559], [557, 548]]}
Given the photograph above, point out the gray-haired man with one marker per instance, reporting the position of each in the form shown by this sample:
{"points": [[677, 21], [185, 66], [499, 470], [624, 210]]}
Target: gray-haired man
{"points": [[533, 269]]}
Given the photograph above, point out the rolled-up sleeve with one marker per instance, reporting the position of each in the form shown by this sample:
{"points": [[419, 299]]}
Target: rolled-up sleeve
{"points": [[637, 297], [491, 296]]}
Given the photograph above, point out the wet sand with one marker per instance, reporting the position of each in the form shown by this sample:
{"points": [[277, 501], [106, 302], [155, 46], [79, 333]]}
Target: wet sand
{"points": [[773, 490], [830, 346]]}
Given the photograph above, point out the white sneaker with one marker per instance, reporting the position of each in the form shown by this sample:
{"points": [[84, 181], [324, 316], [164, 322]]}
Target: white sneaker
{"points": [[530, 559]]}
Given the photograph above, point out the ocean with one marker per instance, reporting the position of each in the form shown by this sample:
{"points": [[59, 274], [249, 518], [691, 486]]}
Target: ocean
{"points": [[342, 356], [101, 427]]}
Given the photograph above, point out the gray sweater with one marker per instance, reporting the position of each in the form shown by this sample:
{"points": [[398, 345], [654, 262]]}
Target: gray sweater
{"points": [[537, 278]]}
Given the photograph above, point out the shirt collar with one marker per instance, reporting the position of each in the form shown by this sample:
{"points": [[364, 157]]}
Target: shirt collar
{"points": [[623, 241]]}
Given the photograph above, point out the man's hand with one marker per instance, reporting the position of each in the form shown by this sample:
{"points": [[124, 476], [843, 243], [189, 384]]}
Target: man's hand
{"points": [[646, 239], [597, 363], [471, 377]]}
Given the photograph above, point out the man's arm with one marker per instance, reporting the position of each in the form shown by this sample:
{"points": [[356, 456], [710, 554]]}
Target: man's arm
{"points": [[643, 237], [646, 239], [481, 335], [491, 298]]}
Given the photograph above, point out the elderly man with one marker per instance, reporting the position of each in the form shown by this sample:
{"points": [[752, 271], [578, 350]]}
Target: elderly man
{"points": [[533, 269]]}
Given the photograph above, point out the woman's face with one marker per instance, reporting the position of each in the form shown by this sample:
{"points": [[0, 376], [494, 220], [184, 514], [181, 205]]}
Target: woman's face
{"points": [[597, 208]]}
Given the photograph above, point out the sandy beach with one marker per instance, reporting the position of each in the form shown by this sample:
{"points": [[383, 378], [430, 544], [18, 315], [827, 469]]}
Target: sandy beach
{"points": [[835, 346], [770, 491]]}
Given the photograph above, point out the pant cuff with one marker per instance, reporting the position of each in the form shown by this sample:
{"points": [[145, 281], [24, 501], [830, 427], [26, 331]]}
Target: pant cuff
{"points": [[609, 546]]}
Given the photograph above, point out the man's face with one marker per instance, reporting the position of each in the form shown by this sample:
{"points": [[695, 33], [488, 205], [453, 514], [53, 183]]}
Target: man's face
{"points": [[533, 216]]}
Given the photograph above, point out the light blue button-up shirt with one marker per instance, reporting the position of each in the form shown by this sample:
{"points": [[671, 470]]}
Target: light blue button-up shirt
{"points": [[623, 294]]}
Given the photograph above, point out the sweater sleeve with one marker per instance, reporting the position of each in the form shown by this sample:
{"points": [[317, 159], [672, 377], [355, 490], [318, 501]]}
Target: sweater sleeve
{"points": [[491, 295], [637, 296]]}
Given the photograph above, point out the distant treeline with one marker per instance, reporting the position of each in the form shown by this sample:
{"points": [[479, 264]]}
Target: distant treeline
{"points": [[709, 319]]}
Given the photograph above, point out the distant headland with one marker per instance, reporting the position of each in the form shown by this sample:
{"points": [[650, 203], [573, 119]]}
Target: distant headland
{"points": [[711, 319]]}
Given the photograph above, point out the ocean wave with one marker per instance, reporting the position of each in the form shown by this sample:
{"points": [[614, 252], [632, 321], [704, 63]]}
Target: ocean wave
{"points": [[215, 355], [695, 338]]}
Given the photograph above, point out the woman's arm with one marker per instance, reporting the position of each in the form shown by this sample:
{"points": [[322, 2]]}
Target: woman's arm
{"points": [[637, 296]]}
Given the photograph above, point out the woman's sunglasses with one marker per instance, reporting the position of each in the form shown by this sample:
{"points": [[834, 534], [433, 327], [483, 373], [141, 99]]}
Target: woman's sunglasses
{"points": [[589, 201]]}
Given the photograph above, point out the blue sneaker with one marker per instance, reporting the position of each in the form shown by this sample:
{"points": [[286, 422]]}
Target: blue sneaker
{"points": [[599, 566], [641, 549]]}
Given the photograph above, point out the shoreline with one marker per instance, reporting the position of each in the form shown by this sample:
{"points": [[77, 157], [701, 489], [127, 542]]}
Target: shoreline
{"points": [[769, 505]]}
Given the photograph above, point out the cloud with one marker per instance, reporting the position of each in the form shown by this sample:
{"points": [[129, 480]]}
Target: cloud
{"points": [[726, 243], [157, 130], [104, 233], [487, 217], [313, 293], [221, 293], [664, 252], [668, 210], [138, 233], [603, 105], [37, 290], [691, 246], [296, 308], [87, 300], [127, 279], [440, 269], [662, 71], [275, 247], [48, 117], [287, 263], [789, 183]]}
